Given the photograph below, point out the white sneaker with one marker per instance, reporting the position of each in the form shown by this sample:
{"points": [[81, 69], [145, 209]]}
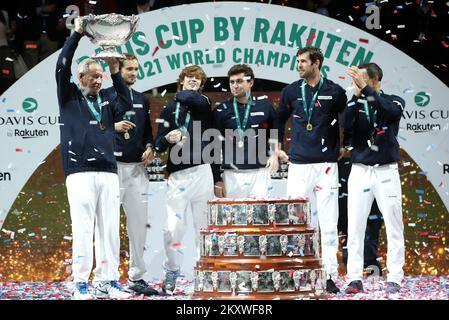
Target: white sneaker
{"points": [[81, 292], [110, 290]]}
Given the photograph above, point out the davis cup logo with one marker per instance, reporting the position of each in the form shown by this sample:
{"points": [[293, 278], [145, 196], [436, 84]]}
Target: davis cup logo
{"points": [[29, 105], [422, 99]]}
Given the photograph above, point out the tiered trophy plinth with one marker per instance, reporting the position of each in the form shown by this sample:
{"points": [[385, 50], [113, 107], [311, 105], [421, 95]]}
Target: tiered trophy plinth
{"points": [[259, 249]]}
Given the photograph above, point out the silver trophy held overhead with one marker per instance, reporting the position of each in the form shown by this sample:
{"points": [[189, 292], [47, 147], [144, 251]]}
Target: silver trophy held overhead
{"points": [[109, 31]]}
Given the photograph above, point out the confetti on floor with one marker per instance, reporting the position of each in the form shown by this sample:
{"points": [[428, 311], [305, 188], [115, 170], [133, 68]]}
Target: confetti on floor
{"points": [[413, 288]]}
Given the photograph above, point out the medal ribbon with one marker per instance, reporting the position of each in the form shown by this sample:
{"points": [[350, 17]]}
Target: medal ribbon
{"points": [[368, 117], [242, 126], [186, 122], [92, 108], [309, 111]]}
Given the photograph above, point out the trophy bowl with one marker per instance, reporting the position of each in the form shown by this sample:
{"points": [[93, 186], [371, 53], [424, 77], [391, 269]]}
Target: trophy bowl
{"points": [[109, 31]]}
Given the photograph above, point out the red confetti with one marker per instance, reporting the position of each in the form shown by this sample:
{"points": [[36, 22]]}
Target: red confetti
{"points": [[427, 202], [19, 150], [31, 46], [423, 233], [328, 169], [176, 244], [341, 77], [445, 44], [356, 7], [5, 71], [309, 41], [363, 40], [161, 44]]}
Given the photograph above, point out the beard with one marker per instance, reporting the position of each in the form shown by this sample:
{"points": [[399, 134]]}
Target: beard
{"points": [[130, 82]]}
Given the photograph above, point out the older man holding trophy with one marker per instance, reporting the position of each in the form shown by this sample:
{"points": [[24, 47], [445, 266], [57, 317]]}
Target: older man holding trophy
{"points": [[88, 114]]}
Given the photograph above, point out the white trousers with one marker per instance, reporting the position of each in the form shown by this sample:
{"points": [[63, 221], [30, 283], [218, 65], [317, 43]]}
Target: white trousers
{"points": [[186, 189], [94, 209], [382, 183], [246, 183], [319, 183], [134, 184]]}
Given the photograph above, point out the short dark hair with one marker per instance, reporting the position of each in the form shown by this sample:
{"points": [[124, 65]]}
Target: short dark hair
{"points": [[241, 68], [314, 54], [128, 57], [373, 70]]}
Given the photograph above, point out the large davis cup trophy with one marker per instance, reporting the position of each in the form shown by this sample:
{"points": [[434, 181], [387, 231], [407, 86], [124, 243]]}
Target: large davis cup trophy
{"points": [[109, 31]]}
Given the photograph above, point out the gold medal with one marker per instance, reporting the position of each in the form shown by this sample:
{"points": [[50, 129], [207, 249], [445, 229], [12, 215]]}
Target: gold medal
{"points": [[309, 127], [127, 136], [240, 144]]}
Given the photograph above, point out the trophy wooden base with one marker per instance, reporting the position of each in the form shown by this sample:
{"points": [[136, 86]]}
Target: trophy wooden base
{"points": [[259, 250]]}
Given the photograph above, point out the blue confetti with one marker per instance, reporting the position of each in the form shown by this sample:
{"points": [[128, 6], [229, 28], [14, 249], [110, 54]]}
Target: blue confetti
{"points": [[366, 190], [9, 110], [421, 215], [420, 191]]}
